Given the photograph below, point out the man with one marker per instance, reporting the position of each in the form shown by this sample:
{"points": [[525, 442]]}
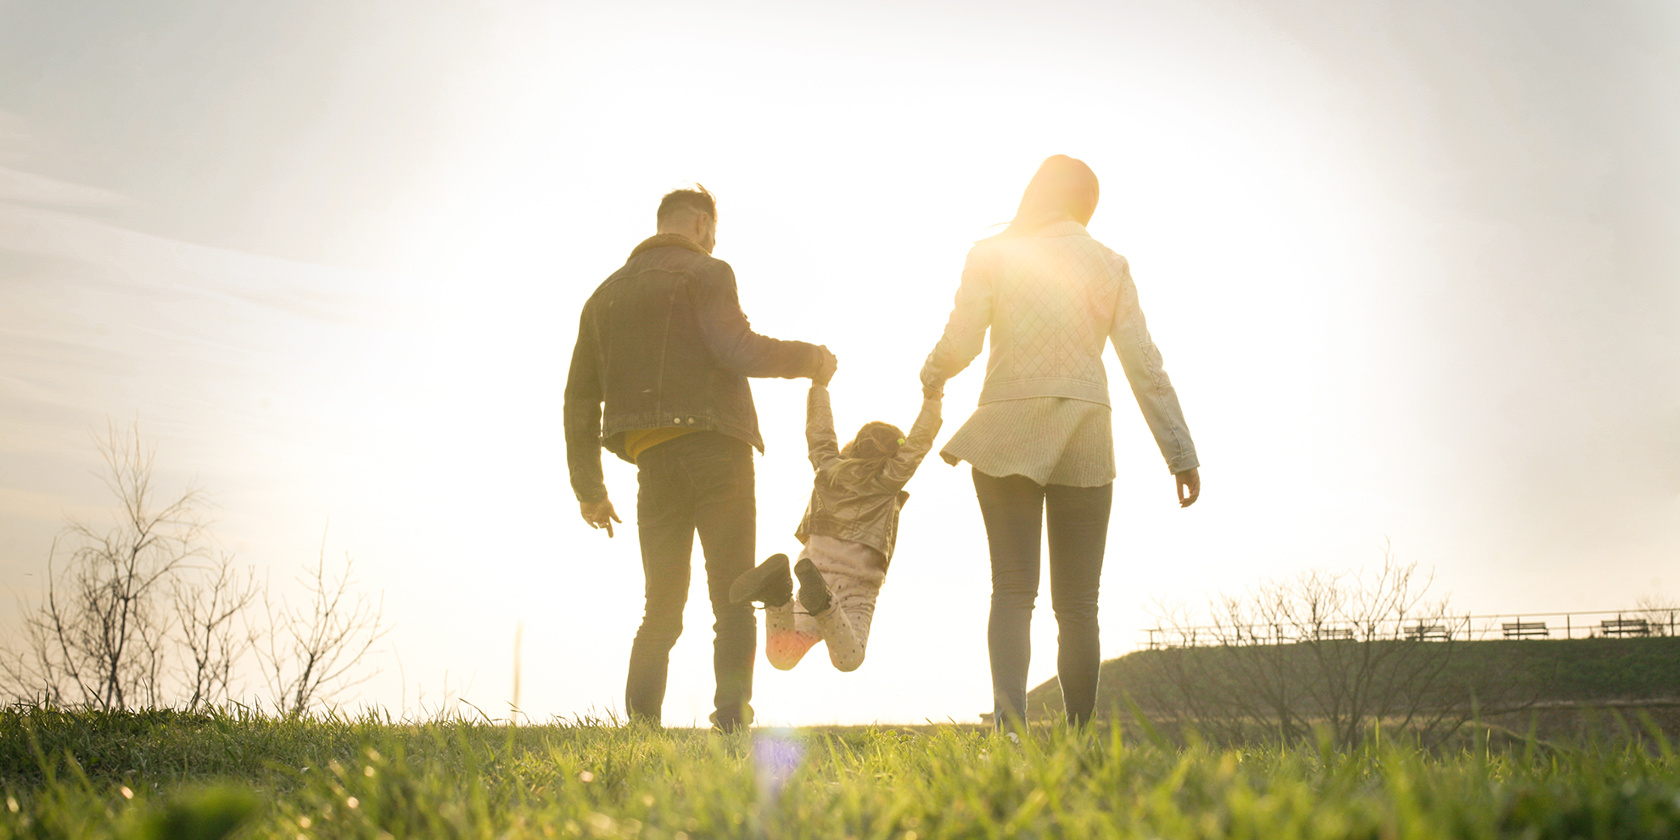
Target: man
{"points": [[664, 345]]}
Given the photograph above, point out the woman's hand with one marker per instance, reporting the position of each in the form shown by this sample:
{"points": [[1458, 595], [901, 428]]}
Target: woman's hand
{"points": [[1189, 487]]}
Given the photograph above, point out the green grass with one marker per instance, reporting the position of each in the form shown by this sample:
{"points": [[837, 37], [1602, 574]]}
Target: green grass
{"points": [[177, 775]]}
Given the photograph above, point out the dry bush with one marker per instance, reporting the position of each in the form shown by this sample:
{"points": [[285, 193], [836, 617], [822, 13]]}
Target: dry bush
{"points": [[314, 652], [1660, 612], [1335, 651], [100, 635], [147, 613]]}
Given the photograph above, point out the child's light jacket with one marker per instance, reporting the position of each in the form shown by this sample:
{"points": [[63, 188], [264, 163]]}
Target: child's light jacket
{"points": [[860, 505]]}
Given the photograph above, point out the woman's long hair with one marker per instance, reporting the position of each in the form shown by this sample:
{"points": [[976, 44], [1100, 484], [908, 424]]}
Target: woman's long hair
{"points": [[1062, 188]]}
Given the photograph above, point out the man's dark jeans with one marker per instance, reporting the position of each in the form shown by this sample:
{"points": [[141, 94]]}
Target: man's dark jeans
{"points": [[700, 482], [1013, 509]]}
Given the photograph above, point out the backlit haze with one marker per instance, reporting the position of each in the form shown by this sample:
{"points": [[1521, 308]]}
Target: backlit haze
{"points": [[1411, 265]]}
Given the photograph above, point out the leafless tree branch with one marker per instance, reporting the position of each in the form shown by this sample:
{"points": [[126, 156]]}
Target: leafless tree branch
{"points": [[311, 652], [144, 613], [1341, 651], [98, 637]]}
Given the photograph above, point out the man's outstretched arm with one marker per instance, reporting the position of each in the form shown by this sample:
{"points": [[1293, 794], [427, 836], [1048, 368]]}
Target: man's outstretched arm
{"points": [[732, 342]]}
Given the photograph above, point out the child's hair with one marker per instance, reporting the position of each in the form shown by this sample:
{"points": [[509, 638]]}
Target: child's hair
{"points": [[875, 440]]}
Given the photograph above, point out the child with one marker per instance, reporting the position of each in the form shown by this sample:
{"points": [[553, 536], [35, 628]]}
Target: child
{"points": [[849, 528]]}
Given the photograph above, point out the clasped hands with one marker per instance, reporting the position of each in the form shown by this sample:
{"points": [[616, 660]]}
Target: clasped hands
{"points": [[601, 514]]}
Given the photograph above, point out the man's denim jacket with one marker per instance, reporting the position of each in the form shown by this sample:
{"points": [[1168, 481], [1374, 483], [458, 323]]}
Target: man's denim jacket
{"points": [[663, 342]]}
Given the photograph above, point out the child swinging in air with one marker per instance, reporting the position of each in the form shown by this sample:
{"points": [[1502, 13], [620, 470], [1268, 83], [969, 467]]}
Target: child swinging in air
{"points": [[848, 530]]}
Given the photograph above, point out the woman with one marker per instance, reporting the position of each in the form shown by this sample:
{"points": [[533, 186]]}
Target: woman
{"points": [[1040, 442]]}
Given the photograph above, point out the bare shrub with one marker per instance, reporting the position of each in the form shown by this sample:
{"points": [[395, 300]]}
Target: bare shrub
{"points": [[145, 613], [1342, 651], [1660, 612], [99, 636], [214, 639], [313, 652]]}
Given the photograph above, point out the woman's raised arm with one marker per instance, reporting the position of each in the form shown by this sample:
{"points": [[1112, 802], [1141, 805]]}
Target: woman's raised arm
{"points": [[965, 331]]}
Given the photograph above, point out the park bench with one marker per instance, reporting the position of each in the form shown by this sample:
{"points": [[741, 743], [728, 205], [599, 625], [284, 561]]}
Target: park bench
{"points": [[1334, 634], [1428, 633], [1625, 627], [1525, 629]]}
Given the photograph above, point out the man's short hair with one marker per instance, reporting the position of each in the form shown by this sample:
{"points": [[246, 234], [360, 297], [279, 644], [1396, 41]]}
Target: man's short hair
{"points": [[697, 200]]}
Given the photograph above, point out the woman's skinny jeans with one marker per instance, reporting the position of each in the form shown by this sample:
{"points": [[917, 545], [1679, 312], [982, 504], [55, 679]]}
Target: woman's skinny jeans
{"points": [[1013, 508]]}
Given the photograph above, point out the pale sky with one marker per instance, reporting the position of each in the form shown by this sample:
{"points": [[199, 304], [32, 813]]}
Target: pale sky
{"points": [[1410, 264]]}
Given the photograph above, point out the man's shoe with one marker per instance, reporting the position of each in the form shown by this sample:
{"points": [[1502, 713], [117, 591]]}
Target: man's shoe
{"points": [[739, 720], [769, 582], [813, 590]]}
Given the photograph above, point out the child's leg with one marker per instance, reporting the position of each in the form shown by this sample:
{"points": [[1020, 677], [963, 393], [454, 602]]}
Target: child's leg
{"points": [[845, 624], [785, 642], [854, 574]]}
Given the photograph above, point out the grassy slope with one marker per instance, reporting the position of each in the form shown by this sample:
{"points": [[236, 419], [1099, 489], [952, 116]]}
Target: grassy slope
{"points": [[1545, 671], [98, 776]]}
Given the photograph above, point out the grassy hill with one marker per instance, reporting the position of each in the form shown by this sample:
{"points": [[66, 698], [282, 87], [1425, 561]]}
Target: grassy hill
{"points": [[1498, 675]]}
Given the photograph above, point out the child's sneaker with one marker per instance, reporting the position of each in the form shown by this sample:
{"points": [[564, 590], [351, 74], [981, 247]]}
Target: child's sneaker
{"points": [[813, 590], [769, 583]]}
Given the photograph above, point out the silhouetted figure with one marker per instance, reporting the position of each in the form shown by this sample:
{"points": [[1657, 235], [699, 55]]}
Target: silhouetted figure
{"points": [[659, 378], [1041, 441]]}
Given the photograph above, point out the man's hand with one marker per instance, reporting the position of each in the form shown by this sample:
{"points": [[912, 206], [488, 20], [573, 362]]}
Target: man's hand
{"points": [[825, 371], [600, 515], [1189, 487]]}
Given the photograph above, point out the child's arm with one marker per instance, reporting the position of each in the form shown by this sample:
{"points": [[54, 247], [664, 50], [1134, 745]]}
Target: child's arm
{"points": [[819, 427], [918, 443]]}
